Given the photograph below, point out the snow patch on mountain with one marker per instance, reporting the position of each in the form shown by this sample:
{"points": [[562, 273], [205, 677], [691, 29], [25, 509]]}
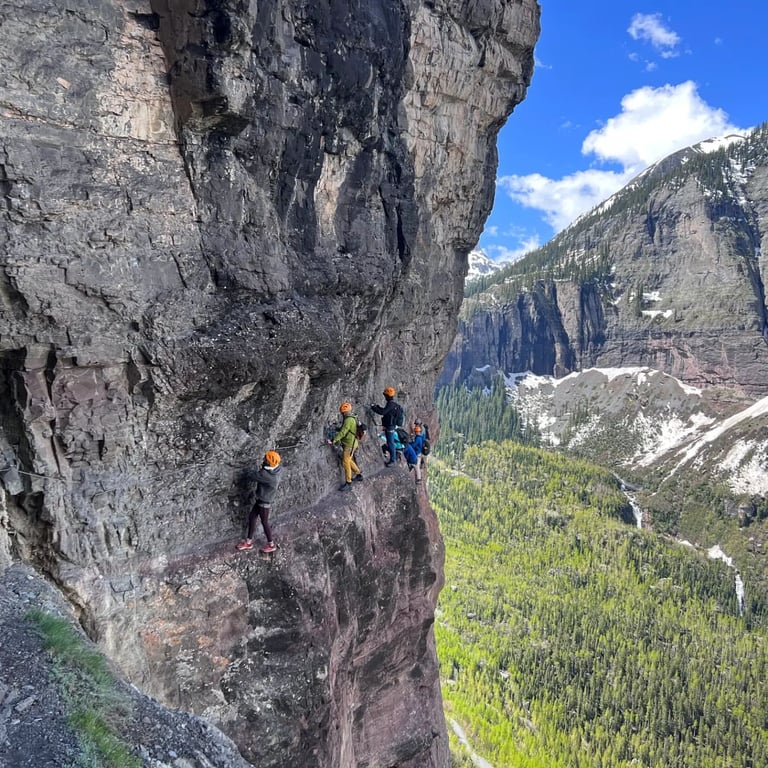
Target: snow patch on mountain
{"points": [[745, 466], [759, 408], [660, 437], [718, 142], [481, 265], [650, 416]]}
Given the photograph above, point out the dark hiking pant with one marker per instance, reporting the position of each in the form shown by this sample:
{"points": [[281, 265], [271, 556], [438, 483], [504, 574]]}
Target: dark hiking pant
{"points": [[260, 511], [391, 444]]}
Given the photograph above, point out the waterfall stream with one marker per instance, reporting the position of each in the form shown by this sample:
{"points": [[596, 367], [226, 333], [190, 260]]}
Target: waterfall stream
{"points": [[717, 554]]}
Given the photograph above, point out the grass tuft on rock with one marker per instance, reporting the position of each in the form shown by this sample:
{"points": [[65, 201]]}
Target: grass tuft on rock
{"points": [[95, 708]]}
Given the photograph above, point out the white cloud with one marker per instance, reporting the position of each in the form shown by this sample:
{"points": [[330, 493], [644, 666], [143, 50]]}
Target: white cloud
{"points": [[504, 253], [650, 27], [563, 200], [648, 66], [653, 123]]}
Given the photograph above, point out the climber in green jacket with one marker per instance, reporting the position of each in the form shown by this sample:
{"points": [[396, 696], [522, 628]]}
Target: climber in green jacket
{"points": [[347, 438]]}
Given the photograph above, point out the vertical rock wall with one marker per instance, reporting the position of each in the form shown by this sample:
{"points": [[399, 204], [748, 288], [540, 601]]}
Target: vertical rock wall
{"points": [[219, 219]]}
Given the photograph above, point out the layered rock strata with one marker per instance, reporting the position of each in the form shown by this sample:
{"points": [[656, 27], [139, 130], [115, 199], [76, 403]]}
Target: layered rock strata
{"points": [[220, 219]]}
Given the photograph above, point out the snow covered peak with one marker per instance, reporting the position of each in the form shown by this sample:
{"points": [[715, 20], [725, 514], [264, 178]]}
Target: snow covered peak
{"points": [[481, 265], [718, 142]]}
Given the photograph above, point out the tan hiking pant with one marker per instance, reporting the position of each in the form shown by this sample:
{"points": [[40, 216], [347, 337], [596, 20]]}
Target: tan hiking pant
{"points": [[348, 462]]}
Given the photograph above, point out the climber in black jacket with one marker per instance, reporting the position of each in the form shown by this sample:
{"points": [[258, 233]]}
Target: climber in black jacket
{"points": [[391, 417], [267, 480]]}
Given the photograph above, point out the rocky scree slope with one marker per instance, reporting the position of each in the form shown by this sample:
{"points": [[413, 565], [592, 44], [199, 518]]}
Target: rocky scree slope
{"points": [[35, 725], [219, 220], [669, 273]]}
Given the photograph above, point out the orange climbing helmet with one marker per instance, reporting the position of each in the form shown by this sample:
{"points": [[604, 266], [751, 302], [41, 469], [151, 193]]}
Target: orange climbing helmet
{"points": [[345, 408], [389, 392], [272, 459]]}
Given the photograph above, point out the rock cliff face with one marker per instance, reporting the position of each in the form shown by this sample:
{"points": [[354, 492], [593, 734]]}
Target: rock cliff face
{"points": [[669, 273], [219, 220]]}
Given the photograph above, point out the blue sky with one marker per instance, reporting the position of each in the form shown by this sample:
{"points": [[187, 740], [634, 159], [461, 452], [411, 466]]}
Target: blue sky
{"points": [[618, 85]]}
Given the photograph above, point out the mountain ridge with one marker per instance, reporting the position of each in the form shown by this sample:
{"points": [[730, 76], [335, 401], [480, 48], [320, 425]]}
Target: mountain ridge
{"points": [[636, 338], [481, 265], [669, 272]]}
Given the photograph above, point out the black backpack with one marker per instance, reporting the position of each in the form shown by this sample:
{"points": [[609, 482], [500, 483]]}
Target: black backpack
{"points": [[426, 447], [398, 415], [361, 430], [402, 433]]}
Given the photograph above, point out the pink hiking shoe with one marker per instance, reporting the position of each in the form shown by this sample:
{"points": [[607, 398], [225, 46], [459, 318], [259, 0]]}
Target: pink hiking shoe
{"points": [[245, 544]]}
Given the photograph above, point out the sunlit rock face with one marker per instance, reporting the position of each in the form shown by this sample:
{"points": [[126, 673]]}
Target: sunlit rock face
{"points": [[220, 219]]}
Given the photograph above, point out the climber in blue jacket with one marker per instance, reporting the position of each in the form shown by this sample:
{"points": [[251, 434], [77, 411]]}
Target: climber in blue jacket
{"points": [[416, 445]]}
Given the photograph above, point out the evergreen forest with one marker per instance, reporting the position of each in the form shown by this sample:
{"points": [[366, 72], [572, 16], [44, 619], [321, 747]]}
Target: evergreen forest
{"points": [[569, 638]]}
